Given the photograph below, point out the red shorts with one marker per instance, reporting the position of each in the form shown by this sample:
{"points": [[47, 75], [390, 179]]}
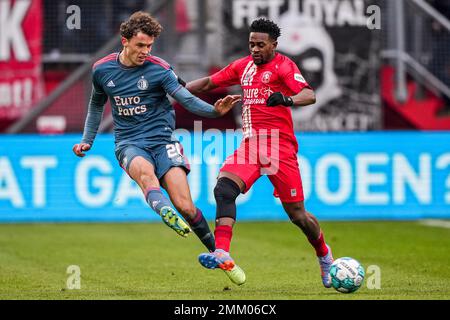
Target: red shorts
{"points": [[275, 158]]}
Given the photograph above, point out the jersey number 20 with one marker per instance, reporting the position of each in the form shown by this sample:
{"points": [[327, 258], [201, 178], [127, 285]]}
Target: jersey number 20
{"points": [[173, 150]]}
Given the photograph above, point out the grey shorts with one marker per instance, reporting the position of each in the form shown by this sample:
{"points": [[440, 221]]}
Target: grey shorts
{"points": [[162, 157]]}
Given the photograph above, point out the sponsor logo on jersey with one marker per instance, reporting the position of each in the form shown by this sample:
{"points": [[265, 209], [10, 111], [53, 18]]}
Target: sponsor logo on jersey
{"points": [[299, 78], [266, 92], [142, 84], [266, 77], [125, 108], [251, 93], [126, 101], [131, 111], [293, 192], [111, 84], [252, 96]]}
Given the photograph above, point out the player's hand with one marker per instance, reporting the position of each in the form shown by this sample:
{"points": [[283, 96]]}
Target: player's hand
{"points": [[224, 105], [79, 148], [277, 98]]}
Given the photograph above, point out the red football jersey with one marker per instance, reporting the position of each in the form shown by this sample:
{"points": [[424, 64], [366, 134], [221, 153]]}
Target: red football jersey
{"points": [[258, 82]]}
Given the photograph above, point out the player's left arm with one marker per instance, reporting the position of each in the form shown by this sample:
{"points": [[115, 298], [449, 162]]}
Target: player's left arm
{"points": [[304, 98]]}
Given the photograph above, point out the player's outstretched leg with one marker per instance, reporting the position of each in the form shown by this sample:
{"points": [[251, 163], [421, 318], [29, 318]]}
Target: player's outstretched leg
{"points": [[310, 227], [176, 184], [162, 206]]}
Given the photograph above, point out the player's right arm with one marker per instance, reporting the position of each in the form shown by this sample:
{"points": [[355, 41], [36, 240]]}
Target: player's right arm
{"points": [[226, 77], [200, 85], [93, 118], [171, 84]]}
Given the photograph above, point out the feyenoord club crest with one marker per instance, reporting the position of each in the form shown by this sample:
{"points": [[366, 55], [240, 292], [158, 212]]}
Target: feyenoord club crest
{"points": [[266, 77], [142, 84]]}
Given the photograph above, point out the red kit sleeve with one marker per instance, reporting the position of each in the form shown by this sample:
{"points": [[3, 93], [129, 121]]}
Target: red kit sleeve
{"points": [[226, 77], [293, 78]]}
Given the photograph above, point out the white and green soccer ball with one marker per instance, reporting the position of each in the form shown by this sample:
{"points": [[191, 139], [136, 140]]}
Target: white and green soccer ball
{"points": [[347, 275]]}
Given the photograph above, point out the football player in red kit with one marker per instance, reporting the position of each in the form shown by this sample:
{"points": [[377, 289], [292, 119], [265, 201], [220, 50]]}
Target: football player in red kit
{"points": [[271, 85]]}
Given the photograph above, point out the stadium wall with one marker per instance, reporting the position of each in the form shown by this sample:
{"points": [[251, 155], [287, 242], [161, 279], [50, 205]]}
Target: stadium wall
{"points": [[346, 176]]}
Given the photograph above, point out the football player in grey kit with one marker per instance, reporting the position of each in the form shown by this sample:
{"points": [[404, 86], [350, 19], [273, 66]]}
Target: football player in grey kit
{"points": [[137, 85]]}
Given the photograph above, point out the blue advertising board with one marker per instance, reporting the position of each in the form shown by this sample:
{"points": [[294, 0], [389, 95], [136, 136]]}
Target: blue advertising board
{"points": [[346, 176]]}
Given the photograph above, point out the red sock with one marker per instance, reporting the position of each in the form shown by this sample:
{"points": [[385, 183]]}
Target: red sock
{"points": [[223, 236], [319, 245]]}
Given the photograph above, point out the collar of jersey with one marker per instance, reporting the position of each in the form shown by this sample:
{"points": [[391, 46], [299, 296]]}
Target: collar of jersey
{"points": [[121, 65]]}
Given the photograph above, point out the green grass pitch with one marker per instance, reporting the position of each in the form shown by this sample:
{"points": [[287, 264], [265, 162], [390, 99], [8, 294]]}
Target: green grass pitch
{"points": [[149, 261]]}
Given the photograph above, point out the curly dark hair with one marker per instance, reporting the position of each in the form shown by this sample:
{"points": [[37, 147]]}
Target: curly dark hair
{"points": [[140, 22], [264, 25]]}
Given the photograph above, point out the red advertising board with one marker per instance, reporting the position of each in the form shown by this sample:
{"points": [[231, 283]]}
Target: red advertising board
{"points": [[21, 83]]}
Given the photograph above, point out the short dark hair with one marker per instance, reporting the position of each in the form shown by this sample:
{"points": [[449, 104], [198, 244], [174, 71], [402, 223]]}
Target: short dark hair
{"points": [[140, 22], [264, 25]]}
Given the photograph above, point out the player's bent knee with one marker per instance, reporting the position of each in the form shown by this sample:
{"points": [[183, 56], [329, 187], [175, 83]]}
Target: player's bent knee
{"points": [[226, 190], [225, 193]]}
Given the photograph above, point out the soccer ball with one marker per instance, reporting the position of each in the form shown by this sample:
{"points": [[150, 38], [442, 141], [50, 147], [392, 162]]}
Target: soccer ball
{"points": [[347, 275]]}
